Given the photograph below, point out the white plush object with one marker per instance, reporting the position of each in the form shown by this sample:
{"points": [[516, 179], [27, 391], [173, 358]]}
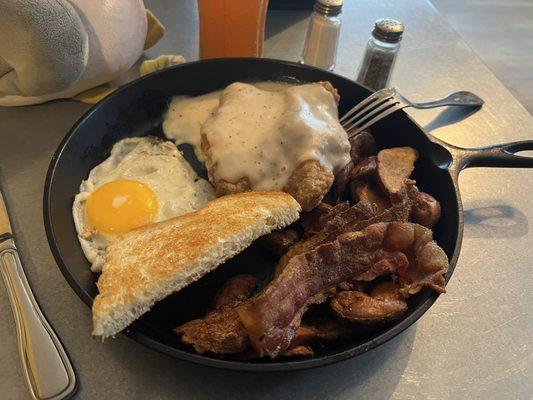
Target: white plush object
{"points": [[51, 49]]}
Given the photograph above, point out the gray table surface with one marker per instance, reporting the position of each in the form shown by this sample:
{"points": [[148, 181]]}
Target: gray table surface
{"points": [[475, 342]]}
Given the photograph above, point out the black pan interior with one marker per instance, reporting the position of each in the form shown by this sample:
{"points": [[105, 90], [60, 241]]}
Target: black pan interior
{"points": [[137, 110]]}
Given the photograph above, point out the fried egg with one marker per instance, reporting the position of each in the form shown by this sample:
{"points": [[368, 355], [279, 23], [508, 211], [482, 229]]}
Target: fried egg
{"points": [[144, 180]]}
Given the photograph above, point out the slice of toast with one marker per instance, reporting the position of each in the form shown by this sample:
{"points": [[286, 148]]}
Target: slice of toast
{"points": [[149, 263]]}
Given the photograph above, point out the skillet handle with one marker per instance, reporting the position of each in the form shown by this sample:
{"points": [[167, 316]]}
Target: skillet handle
{"points": [[500, 155]]}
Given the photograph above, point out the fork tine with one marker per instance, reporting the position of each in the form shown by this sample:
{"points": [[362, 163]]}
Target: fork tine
{"points": [[370, 99], [369, 108], [385, 113], [376, 111], [380, 94]]}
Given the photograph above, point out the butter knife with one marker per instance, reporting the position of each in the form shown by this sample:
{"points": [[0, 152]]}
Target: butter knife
{"points": [[45, 364]]}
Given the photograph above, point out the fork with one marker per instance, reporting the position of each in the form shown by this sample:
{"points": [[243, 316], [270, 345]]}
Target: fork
{"points": [[386, 101]]}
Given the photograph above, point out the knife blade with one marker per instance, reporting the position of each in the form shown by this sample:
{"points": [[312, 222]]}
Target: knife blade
{"points": [[45, 364]]}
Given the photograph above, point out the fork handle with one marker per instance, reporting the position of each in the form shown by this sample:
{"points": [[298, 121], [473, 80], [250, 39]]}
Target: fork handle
{"points": [[462, 98], [45, 364]]}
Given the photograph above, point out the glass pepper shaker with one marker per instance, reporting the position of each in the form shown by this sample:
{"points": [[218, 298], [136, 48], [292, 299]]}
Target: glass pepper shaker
{"points": [[380, 54], [320, 49]]}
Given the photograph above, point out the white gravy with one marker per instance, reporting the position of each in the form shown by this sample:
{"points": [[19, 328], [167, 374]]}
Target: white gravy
{"points": [[186, 115], [261, 131]]}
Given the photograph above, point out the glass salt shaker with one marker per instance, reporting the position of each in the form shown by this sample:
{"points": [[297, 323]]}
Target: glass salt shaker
{"points": [[380, 54], [320, 49]]}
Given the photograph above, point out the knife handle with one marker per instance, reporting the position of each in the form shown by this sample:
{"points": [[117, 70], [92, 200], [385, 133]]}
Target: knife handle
{"points": [[46, 366]]}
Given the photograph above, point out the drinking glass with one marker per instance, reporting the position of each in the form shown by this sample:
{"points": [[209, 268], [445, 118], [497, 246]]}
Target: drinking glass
{"points": [[232, 28]]}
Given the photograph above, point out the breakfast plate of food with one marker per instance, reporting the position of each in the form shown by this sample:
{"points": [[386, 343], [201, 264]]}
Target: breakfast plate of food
{"points": [[218, 212]]}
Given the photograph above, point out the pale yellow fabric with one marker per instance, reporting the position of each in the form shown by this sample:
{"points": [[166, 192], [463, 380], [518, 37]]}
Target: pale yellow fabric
{"points": [[156, 30], [160, 62], [94, 95]]}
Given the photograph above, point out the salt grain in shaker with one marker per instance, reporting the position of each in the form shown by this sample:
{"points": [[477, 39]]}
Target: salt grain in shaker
{"points": [[322, 38], [380, 54]]}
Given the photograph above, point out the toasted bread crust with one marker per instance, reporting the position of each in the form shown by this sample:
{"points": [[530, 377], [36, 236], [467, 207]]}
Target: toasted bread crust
{"points": [[149, 263]]}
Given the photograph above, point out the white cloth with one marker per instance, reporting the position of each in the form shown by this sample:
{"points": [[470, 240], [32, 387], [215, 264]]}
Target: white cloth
{"points": [[51, 49]]}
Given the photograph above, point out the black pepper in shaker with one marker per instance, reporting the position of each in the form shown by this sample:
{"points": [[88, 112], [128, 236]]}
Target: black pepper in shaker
{"points": [[380, 54]]}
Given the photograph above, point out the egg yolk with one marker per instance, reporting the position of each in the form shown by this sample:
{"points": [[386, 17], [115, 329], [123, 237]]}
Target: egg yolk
{"points": [[121, 205]]}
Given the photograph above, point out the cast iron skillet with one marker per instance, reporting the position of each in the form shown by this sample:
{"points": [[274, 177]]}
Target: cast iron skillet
{"points": [[137, 110]]}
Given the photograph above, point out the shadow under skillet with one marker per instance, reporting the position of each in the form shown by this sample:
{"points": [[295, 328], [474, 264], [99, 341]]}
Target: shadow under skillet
{"points": [[449, 116], [383, 366], [495, 221]]}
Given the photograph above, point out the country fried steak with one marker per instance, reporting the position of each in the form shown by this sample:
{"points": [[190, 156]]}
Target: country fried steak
{"points": [[290, 140]]}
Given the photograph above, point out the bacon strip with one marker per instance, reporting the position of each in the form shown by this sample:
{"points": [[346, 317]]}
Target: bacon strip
{"points": [[354, 219], [362, 211], [272, 316], [267, 323], [429, 266], [315, 220]]}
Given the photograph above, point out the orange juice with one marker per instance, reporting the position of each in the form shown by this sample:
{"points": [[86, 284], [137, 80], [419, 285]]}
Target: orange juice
{"points": [[232, 28]]}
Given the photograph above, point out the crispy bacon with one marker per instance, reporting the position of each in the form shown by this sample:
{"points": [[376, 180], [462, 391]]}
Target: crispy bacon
{"points": [[430, 262], [354, 219], [353, 215], [269, 321], [395, 262], [314, 221], [362, 211], [272, 316]]}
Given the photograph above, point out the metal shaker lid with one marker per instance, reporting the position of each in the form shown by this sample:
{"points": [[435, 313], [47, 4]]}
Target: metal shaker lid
{"points": [[388, 30], [328, 7]]}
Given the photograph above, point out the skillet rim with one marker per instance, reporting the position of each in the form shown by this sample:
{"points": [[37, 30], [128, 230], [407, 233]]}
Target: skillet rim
{"points": [[373, 342]]}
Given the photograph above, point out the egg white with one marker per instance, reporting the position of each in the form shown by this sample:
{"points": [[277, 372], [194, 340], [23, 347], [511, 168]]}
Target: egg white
{"points": [[156, 163]]}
